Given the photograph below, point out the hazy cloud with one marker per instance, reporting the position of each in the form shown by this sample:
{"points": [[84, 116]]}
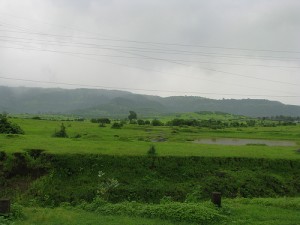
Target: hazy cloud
{"points": [[75, 41]]}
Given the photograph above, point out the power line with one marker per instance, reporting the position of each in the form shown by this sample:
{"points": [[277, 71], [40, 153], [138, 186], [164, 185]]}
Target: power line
{"points": [[165, 51], [126, 65], [140, 68], [170, 51], [66, 44], [177, 62], [135, 67], [218, 71], [155, 50], [159, 43], [142, 89]]}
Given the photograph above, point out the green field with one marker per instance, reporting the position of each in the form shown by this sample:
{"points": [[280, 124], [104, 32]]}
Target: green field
{"points": [[56, 180], [135, 140]]}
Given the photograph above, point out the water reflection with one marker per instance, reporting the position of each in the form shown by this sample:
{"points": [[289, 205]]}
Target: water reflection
{"points": [[236, 141]]}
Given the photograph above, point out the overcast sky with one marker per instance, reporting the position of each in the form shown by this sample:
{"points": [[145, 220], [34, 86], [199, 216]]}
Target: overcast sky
{"points": [[212, 48]]}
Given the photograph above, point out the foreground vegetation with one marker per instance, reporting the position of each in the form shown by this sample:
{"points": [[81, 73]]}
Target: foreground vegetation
{"points": [[262, 211]]}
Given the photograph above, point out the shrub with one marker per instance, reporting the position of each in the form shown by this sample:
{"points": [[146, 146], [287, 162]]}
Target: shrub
{"points": [[93, 120], [15, 214], [166, 200], [152, 151], [116, 125], [101, 120], [77, 136], [157, 122], [79, 119], [133, 122], [152, 154], [174, 211], [194, 196], [7, 127], [36, 118], [140, 122], [62, 132]]}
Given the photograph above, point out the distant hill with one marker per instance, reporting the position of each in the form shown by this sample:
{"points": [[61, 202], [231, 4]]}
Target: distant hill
{"points": [[97, 102]]}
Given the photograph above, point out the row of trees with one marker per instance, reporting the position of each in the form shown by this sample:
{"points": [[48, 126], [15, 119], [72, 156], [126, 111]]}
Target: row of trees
{"points": [[133, 119], [101, 120], [282, 118], [210, 123], [154, 122]]}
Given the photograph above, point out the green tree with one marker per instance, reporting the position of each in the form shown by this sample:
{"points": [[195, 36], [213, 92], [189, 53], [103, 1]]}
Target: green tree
{"points": [[132, 115]]}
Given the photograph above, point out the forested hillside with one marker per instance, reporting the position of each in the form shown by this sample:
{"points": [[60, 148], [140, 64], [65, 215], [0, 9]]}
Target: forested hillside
{"points": [[97, 102]]}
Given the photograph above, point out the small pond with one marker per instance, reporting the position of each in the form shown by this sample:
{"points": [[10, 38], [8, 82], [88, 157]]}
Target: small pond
{"points": [[236, 141]]}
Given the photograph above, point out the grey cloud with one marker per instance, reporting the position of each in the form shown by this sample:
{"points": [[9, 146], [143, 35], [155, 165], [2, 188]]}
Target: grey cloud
{"points": [[258, 24]]}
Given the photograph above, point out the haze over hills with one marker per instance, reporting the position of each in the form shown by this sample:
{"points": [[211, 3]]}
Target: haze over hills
{"points": [[97, 102]]}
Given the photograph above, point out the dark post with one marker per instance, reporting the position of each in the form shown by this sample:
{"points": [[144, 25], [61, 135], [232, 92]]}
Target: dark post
{"points": [[216, 198], [4, 206]]}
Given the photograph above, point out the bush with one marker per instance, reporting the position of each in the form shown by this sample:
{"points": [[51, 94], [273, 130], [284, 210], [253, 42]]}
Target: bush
{"points": [[157, 122], [36, 118], [15, 214], [79, 119], [101, 120], [62, 133], [116, 125], [132, 122], [195, 196], [140, 122], [7, 127], [152, 151], [152, 154], [174, 211]]}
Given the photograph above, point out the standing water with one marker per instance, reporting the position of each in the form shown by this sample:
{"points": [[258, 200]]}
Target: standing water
{"points": [[236, 141]]}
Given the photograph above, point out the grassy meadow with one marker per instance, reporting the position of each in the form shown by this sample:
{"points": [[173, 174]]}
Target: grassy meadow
{"points": [[87, 137]]}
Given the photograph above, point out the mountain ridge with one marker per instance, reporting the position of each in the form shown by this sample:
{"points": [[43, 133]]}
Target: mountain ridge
{"points": [[100, 102]]}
